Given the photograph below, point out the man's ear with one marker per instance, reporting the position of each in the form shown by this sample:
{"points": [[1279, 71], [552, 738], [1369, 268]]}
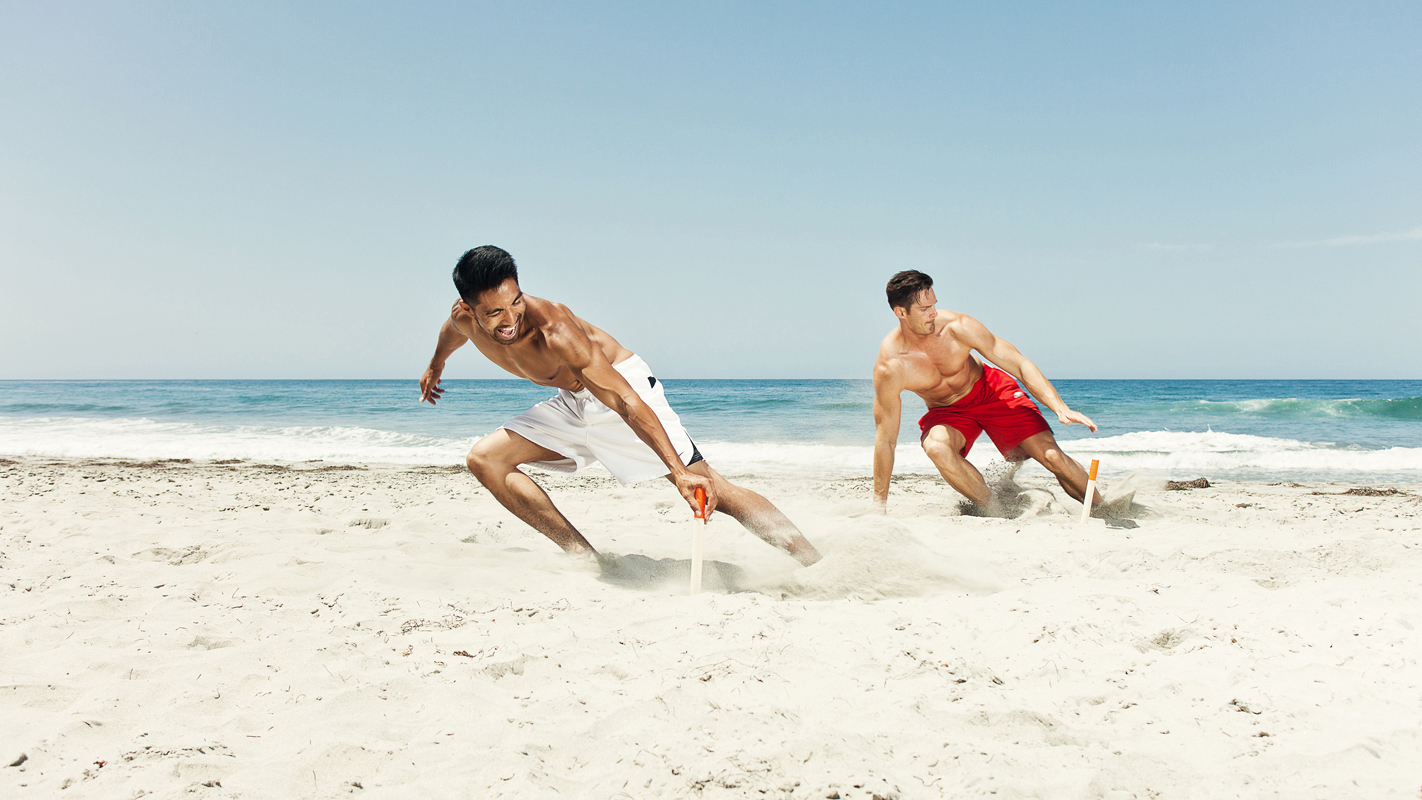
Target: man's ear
{"points": [[464, 306], [901, 313]]}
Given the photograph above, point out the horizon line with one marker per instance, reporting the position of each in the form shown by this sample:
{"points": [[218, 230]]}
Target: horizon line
{"points": [[530, 383]]}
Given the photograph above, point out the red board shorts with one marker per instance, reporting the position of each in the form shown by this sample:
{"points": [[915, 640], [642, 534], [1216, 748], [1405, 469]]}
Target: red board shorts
{"points": [[995, 404]]}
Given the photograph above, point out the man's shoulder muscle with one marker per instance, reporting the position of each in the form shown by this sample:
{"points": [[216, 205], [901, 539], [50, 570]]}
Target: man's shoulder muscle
{"points": [[962, 327], [550, 314], [887, 365], [564, 333], [892, 344], [461, 319]]}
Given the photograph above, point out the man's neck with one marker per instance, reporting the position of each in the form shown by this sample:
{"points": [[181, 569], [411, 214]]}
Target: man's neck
{"points": [[916, 340]]}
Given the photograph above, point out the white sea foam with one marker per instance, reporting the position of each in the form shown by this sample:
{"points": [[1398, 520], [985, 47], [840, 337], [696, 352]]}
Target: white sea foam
{"points": [[150, 439], [1206, 453], [1246, 457]]}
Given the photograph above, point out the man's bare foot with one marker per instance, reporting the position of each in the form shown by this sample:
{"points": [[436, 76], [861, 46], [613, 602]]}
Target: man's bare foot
{"points": [[583, 554], [992, 508], [802, 551]]}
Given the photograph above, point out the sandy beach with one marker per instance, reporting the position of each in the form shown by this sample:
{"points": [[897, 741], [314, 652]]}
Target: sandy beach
{"points": [[302, 630]]}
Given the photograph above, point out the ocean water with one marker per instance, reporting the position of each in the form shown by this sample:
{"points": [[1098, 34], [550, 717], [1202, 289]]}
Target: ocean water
{"points": [[1242, 430]]}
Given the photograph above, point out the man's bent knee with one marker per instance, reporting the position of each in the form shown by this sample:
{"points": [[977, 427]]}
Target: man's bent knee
{"points": [[483, 459], [941, 447], [478, 463], [936, 450], [1054, 460]]}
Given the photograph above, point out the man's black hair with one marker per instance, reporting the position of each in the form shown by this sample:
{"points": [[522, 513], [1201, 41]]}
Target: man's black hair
{"points": [[482, 269], [905, 287]]}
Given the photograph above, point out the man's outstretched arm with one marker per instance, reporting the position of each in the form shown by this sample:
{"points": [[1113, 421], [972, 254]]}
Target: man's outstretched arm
{"points": [[1002, 353], [450, 339], [888, 386]]}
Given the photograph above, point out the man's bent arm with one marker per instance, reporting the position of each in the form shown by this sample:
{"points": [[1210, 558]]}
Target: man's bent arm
{"points": [[607, 384], [450, 339], [1002, 353], [603, 382], [887, 406]]}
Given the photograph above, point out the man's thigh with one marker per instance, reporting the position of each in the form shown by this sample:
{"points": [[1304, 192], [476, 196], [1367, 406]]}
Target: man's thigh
{"points": [[1034, 447], [503, 446]]}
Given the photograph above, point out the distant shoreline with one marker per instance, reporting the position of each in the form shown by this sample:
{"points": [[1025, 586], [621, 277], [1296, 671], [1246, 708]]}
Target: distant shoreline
{"points": [[907, 481]]}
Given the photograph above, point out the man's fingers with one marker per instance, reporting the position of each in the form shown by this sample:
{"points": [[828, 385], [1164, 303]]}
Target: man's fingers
{"points": [[696, 507], [706, 486]]}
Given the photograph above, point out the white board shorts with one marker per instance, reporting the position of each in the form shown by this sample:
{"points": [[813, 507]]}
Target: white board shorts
{"points": [[579, 427]]}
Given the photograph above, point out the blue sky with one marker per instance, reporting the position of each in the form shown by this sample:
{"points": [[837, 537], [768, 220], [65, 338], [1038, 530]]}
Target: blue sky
{"points": [[1122, 190]]}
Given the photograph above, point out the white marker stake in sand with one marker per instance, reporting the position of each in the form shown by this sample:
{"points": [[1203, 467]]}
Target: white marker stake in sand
{"points": [[1090, 490], [700, 523]]}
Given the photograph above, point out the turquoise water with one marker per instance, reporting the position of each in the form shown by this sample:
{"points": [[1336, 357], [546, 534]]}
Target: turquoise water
{"points": [[1331, 430]]}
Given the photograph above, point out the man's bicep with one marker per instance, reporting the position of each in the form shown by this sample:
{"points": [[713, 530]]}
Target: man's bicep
{"points": [[975, 335], [573, 348], [998, 351], [600, 376], [606, 383], [888, 386]]}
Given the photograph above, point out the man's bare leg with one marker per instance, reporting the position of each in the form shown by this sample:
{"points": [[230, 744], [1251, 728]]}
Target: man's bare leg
{"points": [[758, 515], [942, 446], [1043, 448], [494, 460], [1072, 475]]}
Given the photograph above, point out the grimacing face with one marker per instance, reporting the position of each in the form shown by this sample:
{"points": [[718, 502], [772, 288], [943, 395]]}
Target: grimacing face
{"points": [[919, 316], [499, 312]]}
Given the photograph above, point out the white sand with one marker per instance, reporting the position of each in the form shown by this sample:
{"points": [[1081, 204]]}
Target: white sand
{"points": [[258, 632]]}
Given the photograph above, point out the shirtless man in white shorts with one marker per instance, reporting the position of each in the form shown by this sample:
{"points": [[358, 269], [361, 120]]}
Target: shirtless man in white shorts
{"points": [[609, 408]]}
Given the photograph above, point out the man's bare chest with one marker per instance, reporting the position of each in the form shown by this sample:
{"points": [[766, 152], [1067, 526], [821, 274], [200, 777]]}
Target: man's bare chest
{"points": [[531, 363], [937, 370]]}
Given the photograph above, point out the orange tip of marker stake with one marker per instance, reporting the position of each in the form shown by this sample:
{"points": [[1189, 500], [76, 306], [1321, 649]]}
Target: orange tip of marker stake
{"points": [[701, 501], [1094, 464]]}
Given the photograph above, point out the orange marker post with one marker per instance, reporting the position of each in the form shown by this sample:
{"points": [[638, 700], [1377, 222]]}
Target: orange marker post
{"points": [[700, 524], [1090, 490]]}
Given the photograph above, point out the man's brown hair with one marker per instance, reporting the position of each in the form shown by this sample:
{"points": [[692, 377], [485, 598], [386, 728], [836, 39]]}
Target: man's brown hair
{"points": [[906, 286]]}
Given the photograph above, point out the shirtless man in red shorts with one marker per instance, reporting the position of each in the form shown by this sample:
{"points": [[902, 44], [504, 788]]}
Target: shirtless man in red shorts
{"points": [[930, 354]]}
